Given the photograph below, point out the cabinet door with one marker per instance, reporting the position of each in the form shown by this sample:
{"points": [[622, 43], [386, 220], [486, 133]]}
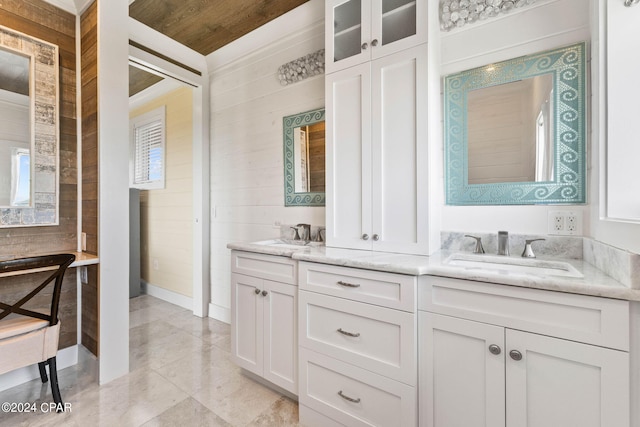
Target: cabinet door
{"points": [[397, 25], [622, 92], [280, 335], [348, 155], [246, 322], [565, 383], [347, 33], [461, 380], [399, 152]]}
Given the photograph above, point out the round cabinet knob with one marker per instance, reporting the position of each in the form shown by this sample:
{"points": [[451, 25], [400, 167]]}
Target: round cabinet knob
{"points": [[364, 46], [495, 349], [515, 355], [374, 42], [264, 293], [376, 237], [365, 237], [257, 291]]}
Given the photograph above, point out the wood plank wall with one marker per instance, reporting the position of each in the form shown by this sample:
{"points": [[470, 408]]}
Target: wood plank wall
{"points": [[46, 22], [89, 82]]}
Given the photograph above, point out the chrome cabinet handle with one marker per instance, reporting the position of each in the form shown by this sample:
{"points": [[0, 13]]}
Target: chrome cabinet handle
{"points": [[257, 291], [374, 42], [264, 293], [364, 46], [349, 334], [495, 349], [515, 355], [348, 285], [350, 399], [630, 3], [376, 237], [365, 237]]}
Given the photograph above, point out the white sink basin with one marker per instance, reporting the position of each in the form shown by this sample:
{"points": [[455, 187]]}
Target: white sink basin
{"points": [[505, 264], [288, 244]]}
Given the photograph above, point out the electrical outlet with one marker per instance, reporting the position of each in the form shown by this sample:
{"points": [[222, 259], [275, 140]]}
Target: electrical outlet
{"points": [[556, 222], [573, 222], [565, 223], [156, 264]]}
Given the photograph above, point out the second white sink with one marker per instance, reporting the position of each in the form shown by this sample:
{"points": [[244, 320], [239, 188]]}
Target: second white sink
{"points": [[505, 264]]}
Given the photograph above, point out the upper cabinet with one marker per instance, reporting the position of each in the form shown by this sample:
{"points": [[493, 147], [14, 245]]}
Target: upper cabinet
{"points": [[362, 30]]}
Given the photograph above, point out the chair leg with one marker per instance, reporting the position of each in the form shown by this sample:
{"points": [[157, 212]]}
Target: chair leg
{"points": [[53, 373], [43, 372]]}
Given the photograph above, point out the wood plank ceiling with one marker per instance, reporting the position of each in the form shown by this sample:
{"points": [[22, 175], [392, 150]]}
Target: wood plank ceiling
{"points": [[207, 25]]}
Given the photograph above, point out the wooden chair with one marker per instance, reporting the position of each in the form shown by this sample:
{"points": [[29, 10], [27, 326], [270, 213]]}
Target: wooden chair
{"points": [[29, 337]]}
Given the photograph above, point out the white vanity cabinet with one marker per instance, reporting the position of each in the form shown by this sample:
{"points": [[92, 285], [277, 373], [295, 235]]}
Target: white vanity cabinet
{"points": [[494, 355], [361, 30], [376, 154], [357, 337], [264, 316]]}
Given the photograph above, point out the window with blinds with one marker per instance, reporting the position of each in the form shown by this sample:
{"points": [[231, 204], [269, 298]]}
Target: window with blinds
{"points": [[148, 150]]}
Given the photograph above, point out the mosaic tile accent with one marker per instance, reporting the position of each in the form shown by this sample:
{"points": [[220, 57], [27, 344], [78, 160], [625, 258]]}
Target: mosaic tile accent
{"points": [[301, 68], [458, 13], [45, 119]]}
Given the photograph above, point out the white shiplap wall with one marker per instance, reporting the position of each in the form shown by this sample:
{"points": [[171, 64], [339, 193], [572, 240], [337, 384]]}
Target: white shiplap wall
{"points": [[247, 188]]}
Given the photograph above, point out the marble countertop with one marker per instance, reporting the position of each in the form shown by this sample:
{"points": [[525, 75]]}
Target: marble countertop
{"points": [[594, 281]]}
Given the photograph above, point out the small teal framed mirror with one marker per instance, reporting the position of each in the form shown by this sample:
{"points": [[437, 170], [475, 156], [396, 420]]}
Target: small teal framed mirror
{"points": [[515, 131], [304, 160]]}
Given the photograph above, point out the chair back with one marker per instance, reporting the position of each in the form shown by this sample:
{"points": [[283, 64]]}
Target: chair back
{"points": [[57, 264]]}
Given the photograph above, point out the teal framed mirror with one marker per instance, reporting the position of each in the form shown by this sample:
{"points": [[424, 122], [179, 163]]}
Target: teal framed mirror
{"points": [[304, 160], [515, 131]]}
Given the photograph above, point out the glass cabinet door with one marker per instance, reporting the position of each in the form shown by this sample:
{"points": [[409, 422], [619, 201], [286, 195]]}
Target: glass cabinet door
{"points": [[348, 42], [398, 20], [397, 25]]}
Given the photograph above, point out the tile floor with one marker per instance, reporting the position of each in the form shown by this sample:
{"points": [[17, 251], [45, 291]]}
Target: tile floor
{"points": [[180, 375]]}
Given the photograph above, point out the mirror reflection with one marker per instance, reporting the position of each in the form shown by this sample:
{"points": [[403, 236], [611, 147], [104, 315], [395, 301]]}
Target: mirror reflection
{"points": [[515, 131], [510, 132], [308, 146], [15, 130], [304, 163]]}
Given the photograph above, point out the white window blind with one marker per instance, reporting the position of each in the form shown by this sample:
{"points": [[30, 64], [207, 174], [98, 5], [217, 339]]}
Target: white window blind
{"points": [[148, 144]]}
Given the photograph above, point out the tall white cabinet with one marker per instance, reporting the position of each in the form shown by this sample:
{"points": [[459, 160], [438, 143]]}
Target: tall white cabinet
{"points": [[377, 162]]}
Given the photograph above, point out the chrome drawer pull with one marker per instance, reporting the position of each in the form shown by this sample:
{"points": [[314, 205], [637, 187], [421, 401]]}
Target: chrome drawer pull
{"points": [[348, 285], [349, 334], [350, 399]]}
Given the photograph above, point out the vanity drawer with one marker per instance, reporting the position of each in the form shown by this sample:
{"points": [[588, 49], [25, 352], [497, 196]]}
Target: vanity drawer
{"points": [[582, 318], [385, 341], [353, 396], [270, 267], [373, 287]]}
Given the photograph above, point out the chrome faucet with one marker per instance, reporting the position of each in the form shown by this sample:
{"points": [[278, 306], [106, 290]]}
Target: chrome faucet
{"points": [[296, 236], [478, 249], [528, 251], [503, 243], [306, 236]]}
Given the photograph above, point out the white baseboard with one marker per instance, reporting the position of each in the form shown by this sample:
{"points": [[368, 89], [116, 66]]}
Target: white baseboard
{"points": [[65, 358], [222, 314], [166, 295]]}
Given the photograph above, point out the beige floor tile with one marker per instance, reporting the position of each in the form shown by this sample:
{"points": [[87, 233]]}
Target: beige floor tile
{"points": [[181, 375], [243, 405], [188, 413], [283, 412]]}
